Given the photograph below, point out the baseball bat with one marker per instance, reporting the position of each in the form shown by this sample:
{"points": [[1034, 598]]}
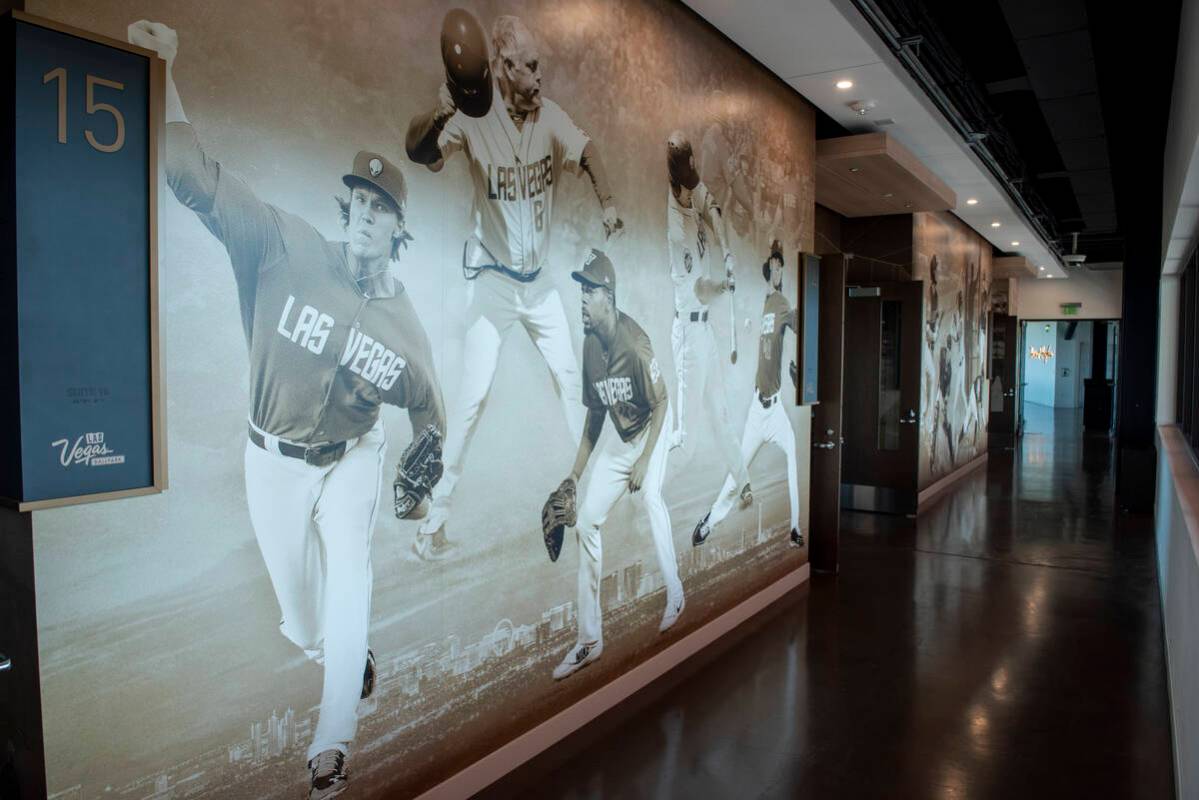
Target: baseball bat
{"points": [[732, 326]]}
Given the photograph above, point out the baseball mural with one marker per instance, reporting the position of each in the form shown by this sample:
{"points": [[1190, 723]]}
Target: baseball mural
{"points": [[445, 291]]}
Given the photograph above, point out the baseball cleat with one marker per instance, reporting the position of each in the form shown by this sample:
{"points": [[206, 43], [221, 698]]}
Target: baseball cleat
{"points": [[328, 774], [673, 609], [747, 496], [368, 675], [796, 538], [434, 546], [579, 656], [702, 531]]}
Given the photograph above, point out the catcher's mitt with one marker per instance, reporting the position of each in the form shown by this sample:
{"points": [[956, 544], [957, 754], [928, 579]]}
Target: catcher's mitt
{"points": [[557, 514], [794, 374], [417, 473]]}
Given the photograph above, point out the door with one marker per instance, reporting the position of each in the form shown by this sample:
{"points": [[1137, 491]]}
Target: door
{"points": [[881, 398], [825, 496], [1005, 353]]}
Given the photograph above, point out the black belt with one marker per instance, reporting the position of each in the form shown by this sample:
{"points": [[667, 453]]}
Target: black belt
{"points": [[320, 455], [523, 277], [695, 316], [766, 402]]}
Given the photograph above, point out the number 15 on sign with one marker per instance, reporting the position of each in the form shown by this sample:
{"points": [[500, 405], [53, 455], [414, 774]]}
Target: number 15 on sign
{"points": [[60, 74]]}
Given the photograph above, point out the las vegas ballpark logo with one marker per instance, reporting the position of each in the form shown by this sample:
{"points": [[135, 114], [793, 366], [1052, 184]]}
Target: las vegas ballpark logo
{"points": [[88, 450]]}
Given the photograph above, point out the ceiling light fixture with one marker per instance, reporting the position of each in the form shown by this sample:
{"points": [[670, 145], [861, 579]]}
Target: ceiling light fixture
{"points": [[1015, 244], [1041, 268], [994, 224], [844, 84], [855, 169], [973, 201]]}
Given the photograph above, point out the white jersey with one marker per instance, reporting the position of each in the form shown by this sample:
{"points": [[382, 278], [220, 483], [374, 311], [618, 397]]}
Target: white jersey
{"points": [[514, 172], [689, 234]]}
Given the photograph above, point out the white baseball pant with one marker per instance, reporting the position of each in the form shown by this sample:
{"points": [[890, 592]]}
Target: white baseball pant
{"points": [[698, 372], [608, 483], [495, 302], [314, 527], [762, 426]]}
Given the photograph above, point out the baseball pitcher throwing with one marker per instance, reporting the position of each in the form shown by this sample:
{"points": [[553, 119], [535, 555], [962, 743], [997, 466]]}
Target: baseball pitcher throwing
{"points": [[518, 146], [621, 380], [766, 420], [693, 226], [332, 335]]}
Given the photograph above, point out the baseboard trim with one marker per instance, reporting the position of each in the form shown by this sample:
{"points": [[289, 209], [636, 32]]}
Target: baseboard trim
{"points": [[500, 762], [938, 488]]}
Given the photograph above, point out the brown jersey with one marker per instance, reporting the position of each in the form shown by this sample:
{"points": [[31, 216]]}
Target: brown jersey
{"points": [[624, 379], [777, 316]]}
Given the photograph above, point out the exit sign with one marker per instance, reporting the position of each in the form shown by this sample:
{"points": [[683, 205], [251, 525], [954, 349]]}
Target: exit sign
{"points": [[1071, 309]]}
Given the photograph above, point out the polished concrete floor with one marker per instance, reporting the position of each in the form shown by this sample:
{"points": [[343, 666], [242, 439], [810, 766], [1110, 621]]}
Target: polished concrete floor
{"points": [[1005, 645]]}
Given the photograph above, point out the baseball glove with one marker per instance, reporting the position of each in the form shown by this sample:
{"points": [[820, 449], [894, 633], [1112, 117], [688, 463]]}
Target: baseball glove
{"points": [[558, 513], [795, 374], [417, 473]]}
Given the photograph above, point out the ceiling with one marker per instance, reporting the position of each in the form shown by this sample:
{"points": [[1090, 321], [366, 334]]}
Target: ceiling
{"points": [[1034, 66]]}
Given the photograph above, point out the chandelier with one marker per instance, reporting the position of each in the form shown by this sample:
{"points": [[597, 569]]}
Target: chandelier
{"points": [[1042, 353]]}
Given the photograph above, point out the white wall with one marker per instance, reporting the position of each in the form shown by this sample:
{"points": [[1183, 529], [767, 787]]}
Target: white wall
{"points": [[1182, 136], [1039, 375], [1100, 293]]}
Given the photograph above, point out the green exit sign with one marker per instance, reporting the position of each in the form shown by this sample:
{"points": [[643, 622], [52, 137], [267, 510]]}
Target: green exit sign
{"points": [[1071, 309]]}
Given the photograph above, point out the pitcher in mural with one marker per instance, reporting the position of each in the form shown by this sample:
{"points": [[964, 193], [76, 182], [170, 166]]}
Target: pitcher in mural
{"points": [[332, 335], [766, 420], [518, 146]]}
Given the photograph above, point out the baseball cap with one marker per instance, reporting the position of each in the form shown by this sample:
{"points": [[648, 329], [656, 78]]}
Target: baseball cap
{"points": [[597, 271], [679, 161], [375, 171]]}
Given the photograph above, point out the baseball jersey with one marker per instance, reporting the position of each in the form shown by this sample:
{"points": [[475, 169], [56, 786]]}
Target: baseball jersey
{"points": [[690, 240], [325, 349], [514, 173], [777, 316], [625, 379]]}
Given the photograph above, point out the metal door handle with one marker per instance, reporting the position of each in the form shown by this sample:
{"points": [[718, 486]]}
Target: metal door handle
{"points": [[825, 445], [5, 663], [907, 422]]}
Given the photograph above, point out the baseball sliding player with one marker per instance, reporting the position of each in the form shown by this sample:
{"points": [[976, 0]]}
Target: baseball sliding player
{"points": [[332, 335], [621, 380], [693, 227], [518, 146], [766, 421]]}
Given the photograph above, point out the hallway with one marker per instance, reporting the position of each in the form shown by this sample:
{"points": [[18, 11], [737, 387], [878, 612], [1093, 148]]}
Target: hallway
{"points": [[1008, 644]]}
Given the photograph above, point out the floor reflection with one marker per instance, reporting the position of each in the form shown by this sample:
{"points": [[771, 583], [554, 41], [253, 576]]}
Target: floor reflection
{"points": [[1006, 644]]}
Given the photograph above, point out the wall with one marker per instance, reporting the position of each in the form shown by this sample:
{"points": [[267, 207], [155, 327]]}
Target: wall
{"points": [[1100, 293], [158, 619], [955, 264], [1040, 376], [1176, 519]]}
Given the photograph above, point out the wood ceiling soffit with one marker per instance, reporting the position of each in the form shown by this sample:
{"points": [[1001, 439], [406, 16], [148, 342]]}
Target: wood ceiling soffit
{"points": [[871, 174]]}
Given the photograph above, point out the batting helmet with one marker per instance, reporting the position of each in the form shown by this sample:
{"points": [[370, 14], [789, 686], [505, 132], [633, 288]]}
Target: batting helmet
{"points": [[680, 161], [467, 63], [776, 251]]}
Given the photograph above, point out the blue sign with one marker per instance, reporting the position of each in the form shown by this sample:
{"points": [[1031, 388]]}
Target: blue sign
{"points": [[84, 152]]}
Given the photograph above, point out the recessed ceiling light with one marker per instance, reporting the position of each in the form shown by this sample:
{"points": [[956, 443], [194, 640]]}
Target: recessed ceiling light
{"points": [[888, 194], [844, 84], [1015, 244], [994, 224], [855, 169], [1041, 268], [973, 201]]}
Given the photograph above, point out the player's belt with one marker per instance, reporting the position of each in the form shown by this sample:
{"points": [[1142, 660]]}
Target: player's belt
{"points": [[476, 258], [320, 455], [694, 316], [767, 402]]}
